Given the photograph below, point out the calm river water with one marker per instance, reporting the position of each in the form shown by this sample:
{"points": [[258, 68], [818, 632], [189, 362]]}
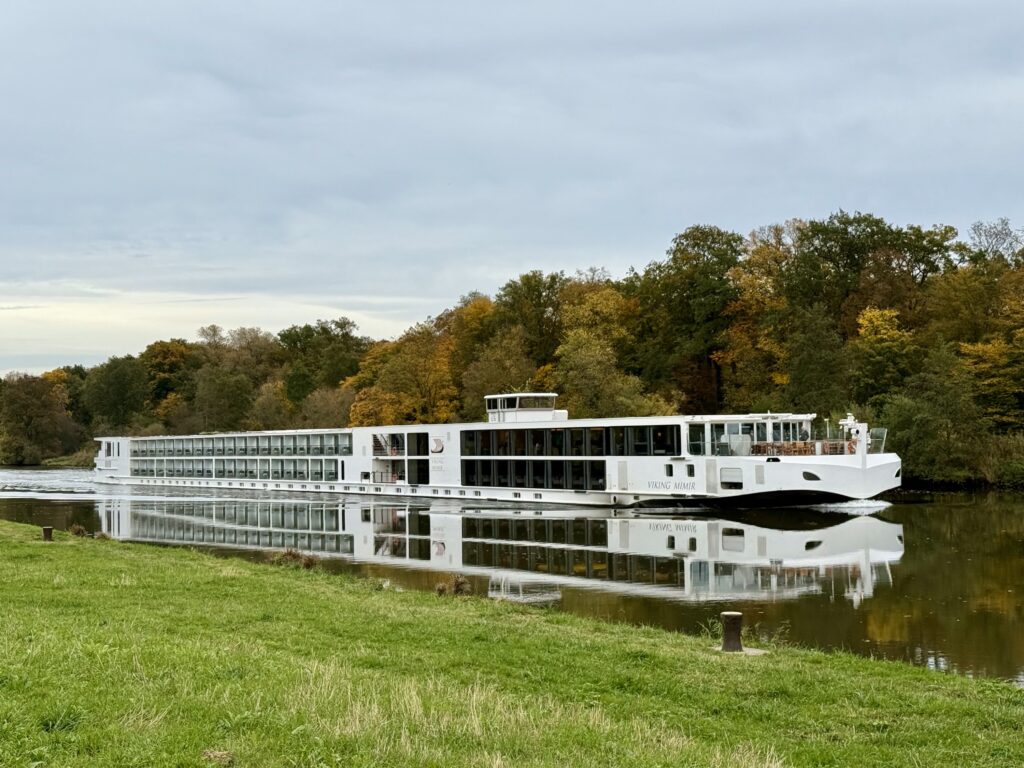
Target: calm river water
{"points": [[937, 581]]}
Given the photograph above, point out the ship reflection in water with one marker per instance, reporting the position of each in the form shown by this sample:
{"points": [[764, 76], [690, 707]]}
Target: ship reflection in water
{"points": [[533, 556]]}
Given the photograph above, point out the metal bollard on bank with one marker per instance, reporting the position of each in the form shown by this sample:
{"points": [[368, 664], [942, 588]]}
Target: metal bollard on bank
{"points": [[47, 533], [732, 626]]}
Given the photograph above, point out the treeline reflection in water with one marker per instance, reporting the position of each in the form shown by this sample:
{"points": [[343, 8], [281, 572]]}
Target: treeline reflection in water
{"points": [[938, 584]]}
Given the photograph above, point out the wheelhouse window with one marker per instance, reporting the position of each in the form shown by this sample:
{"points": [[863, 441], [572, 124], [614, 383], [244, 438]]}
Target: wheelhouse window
{"points": [[696, 439], [665, 440], [639, 441]]}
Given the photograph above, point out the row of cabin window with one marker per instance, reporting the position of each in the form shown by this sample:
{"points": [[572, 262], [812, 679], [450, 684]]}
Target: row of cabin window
{"points": [[219, 534], [582, 563], [318, 517], [579, 531], [263, 445], [661, 440], [276, 469], [520, 473]]}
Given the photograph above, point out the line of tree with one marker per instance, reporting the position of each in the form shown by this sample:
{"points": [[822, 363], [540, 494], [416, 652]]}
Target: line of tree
{"points": [[911, 328]]}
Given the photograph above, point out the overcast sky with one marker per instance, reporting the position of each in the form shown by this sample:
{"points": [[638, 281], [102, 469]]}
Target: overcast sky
{"points": [[165, 165]]}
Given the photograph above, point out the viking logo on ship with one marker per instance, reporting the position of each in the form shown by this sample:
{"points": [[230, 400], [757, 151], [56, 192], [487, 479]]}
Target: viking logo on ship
{"points": [[437, 446]]}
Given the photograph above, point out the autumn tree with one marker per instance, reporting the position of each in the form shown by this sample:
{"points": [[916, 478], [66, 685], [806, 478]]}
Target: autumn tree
{"points": [[470, 324], [170, 369], [270, 408], [752, 357], [34, 420], [997, 368], [413, 381], [326, 407], [882, 355]]}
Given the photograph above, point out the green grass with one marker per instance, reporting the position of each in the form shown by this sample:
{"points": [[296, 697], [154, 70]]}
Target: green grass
{"points": [[83, 457], [116, 654]]}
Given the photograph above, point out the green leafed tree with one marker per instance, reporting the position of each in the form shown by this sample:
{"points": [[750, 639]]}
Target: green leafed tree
{"points": [[587, 371], [935, 424], [223, 399], [680, 315], [503, 365], [329, 350], [533, 301], [816, 362], [592, 385], [116, 392], [851, 261]]}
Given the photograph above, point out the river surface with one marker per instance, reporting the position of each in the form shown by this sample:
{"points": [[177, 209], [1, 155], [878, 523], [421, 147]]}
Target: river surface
{"points": [[936, 581]]}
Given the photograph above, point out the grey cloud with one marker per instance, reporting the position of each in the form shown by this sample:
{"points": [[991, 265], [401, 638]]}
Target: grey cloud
{"points": [[426, 150]]}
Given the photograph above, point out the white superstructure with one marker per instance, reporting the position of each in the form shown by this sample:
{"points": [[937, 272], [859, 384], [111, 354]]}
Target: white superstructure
{"points": [[528, 451]]}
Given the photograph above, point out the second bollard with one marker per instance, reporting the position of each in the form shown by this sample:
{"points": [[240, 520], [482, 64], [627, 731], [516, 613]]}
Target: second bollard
{"points": [[47, 533], [732, 625]]}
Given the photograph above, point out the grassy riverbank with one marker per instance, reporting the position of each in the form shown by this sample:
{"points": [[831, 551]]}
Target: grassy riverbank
{"points": [[84, 458], [117, 654]]}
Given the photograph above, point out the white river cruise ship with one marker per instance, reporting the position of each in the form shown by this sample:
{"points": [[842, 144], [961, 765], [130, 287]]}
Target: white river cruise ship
{"points": [[529, 451]]}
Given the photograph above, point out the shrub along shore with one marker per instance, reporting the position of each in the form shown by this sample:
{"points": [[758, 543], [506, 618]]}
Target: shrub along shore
{"points": [[123, 654]]}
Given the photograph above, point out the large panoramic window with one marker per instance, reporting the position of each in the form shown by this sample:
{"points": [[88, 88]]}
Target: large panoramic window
{"points": [[639, 440]]}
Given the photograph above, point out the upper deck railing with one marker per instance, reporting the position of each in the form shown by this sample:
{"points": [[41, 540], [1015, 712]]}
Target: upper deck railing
{"points": [[742, 445]]}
